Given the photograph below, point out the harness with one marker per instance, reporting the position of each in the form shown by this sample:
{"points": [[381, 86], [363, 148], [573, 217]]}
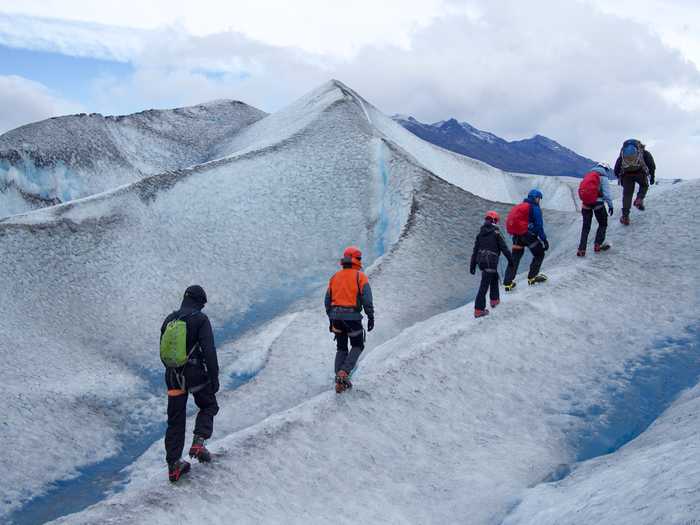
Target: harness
{"points": [[486, 253]]}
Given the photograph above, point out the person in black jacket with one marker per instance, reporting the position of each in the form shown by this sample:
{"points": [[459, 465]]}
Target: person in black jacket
{"points": [[630, 169], [199, 377], [489, 245]]}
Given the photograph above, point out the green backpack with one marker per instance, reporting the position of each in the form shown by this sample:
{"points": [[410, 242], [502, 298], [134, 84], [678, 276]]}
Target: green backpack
{"points": [[173, 344]]}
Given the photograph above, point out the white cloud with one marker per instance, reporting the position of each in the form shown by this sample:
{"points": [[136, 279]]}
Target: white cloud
{"points": [[318, 26], [677, 22], [586, 77], [23, 101]]}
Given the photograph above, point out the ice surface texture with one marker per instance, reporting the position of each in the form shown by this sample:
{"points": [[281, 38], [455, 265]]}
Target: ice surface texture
{"points": [[64, 158], [455, 417], [261, 228]]}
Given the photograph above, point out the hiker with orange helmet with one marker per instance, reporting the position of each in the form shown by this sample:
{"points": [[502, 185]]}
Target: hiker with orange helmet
{"points": [[488, 247], [347, 295]]}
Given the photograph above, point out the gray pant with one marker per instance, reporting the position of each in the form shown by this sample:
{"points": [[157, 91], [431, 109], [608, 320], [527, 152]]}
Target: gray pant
{"points": [[348, 330]]}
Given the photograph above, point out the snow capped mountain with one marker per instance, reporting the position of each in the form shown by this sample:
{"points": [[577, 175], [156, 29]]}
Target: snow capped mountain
{"points": [[534, 155], [65, 158], [450, 416]]}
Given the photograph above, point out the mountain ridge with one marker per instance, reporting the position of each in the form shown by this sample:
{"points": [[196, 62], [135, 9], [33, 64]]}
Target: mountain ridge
{"points": [[535, 155]]}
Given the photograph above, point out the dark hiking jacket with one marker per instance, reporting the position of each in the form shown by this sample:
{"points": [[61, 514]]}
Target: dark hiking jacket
{"points": [[648, 160], [203, 367], [489, 245]]}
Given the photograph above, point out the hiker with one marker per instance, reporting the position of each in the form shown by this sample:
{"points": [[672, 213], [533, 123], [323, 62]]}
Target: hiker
{"points": [[488, 247], [525, 224], [594, 192], [188, 351], [347, 295], [634, 165]]}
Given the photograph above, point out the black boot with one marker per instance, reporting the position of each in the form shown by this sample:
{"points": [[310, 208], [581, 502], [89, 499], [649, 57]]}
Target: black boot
{"points": [[199, 451], [177, 470]]}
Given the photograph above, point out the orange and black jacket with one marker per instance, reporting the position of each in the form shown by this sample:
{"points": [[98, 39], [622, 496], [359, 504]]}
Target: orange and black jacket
{"points": [[348, 294]]}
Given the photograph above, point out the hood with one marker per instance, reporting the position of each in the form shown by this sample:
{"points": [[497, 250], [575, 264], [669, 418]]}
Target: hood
{"points": [[487, 228], [354, 263], [195, 298], [534, 194], [600, 170]]}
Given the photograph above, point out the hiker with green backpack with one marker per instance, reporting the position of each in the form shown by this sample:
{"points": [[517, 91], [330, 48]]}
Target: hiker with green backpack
{"points": [[187, 350]]}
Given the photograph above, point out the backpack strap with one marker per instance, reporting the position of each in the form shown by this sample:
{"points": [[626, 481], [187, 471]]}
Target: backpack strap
{"points": [[194, 347]]}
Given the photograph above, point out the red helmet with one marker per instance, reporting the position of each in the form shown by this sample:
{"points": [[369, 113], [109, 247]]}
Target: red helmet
{"points": [[493, 216], [353, 252], [352, 256]]}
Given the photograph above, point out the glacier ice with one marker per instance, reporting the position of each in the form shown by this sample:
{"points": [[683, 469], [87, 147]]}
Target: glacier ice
{"points": [[450, 416], [65, 158]]}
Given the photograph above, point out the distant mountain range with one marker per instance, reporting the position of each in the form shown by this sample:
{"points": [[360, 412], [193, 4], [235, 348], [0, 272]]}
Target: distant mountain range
{"points": [[538, 154]]}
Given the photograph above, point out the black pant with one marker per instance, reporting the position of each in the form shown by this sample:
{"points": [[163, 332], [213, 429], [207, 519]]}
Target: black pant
{"points": [[601, 216], [536, 248], [177, 412], [628, 182], [344, 330], [489, 281]]}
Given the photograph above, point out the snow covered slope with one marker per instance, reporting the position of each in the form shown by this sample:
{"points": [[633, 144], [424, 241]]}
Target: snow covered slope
{"points": [[452, 419], [87, 283], [653, 479], [64, 158]]}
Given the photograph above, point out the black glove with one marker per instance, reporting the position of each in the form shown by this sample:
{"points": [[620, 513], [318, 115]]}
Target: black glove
{"points": [[214, 384], [610, 210], [472, 271], [370, 324], [652, 179], [546, 244], [330, 325]]}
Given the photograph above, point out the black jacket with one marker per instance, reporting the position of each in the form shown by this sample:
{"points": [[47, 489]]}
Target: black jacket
{"points": [[648, 160], [489, 245], [203, 367]]}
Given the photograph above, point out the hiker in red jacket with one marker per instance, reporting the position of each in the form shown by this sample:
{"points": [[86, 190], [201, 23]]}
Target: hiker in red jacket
{"points": [[594, 192]]}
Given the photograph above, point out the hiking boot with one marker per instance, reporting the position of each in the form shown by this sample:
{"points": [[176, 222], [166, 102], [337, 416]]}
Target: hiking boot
{"points": [[639, 204], [536, 279], [601, 247], [495, 303], [199, 451], [480, 313], [342, 382], [582, 253], [177, 469], [509, 287], [625, 220]]}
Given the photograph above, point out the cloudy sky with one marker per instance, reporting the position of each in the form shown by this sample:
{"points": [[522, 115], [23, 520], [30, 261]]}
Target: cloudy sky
{"points": [[583, 72]]}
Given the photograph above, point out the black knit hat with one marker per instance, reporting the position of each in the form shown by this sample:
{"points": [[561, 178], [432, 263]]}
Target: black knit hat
{"points": [[196, 293]]}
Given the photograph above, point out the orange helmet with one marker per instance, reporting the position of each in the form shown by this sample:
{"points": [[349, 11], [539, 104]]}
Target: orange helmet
{"points": [[493, 216], [351, 255]]}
